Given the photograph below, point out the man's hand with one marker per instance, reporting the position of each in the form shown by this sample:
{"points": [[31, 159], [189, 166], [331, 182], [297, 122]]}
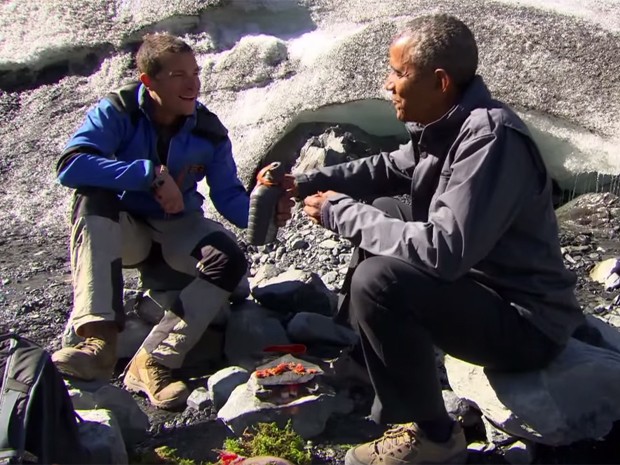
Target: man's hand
{"points": [[167, 193], [286, 203], [314, 203]]}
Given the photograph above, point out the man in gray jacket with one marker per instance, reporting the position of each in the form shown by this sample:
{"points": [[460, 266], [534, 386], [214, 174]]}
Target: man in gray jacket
{"points": [[472, 266]]}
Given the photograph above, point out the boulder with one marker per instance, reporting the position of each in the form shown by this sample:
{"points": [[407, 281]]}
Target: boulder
{"points": [[132, 421], [295, 291], [308, 414], [100, 434], [221, 384], [250, 329], [310, 328], [576, 397]]}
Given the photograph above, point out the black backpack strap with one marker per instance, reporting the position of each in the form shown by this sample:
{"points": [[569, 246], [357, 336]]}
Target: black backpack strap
{"points": [[209, 126], [125, 100]]}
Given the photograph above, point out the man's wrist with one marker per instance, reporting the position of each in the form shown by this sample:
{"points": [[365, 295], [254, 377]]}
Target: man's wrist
{"points": [[160, 175]]}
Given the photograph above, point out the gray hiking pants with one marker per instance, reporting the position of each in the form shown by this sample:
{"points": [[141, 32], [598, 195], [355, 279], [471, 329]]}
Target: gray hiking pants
{"points": [[105, 239]]}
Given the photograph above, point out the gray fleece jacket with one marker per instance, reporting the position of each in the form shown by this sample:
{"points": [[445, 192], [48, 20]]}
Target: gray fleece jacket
{"points": [[481, 205]]}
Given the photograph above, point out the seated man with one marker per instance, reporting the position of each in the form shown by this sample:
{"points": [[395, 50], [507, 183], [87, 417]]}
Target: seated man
{"points": [[135, 164], [473, 266]]}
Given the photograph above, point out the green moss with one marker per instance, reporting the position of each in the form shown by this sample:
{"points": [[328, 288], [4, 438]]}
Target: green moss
{"points": [[268, 439]]}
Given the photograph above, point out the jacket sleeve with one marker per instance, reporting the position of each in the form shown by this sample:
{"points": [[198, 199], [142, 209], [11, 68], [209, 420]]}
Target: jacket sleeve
{"points": [[493, 177], [89, 157], [225, 189], [382, 174]]}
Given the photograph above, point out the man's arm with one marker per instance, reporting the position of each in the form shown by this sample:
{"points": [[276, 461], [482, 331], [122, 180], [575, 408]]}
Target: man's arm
{"points": [[382, 174], [225, 189], [492, 178], [88, 159]]}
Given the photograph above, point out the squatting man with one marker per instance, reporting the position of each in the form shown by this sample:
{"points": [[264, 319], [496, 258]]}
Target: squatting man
{"points": [[135, 163]]}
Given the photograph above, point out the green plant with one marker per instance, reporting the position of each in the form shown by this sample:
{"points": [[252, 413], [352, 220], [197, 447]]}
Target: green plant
{"points": [[268, 439]]}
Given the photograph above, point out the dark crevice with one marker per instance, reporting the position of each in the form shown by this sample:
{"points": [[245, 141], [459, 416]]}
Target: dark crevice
{"points": [[79, 61]]}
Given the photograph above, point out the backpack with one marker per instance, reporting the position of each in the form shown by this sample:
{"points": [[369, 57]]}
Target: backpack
{"points": [[208, 125], [37, 420]]}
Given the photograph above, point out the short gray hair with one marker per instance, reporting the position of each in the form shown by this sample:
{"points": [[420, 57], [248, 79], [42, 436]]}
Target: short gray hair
{"points": [[442, 41]]}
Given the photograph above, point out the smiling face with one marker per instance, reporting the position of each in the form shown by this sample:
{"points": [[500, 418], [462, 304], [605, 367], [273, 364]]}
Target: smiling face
{"points": [[174, 88], [419, 95]]}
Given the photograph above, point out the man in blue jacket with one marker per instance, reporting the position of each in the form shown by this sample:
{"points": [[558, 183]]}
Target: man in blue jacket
{"points": [[472, 266], [135, 164]]}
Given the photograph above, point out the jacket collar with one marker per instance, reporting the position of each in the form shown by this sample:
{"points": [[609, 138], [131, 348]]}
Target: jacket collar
{"points": [[434, 137]]}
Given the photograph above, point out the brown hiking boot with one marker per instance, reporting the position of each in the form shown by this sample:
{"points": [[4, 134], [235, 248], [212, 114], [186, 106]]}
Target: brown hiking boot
{"points": [[92, 359], [408, 445], [148, 376]]}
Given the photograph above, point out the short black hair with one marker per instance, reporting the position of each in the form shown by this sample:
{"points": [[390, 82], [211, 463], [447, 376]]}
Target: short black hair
{"points": [[153, 47], [442, 41]]}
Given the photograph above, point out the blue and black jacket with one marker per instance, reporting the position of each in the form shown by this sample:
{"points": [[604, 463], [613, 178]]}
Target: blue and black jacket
{"points": [[116, 148]]}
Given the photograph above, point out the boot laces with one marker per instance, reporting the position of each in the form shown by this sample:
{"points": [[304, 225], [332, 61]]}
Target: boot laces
{"points": [[395, 438], [160, 375], [92, 345]]}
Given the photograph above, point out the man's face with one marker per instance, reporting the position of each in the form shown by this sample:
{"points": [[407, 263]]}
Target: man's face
{"points": [[177, 84], [416, 94]]}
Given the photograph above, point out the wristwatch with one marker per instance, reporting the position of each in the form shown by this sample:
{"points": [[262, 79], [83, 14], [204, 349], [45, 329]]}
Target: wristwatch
{"points": [[159, 177]]}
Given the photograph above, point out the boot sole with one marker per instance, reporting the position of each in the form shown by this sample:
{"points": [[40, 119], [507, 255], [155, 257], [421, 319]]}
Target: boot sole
{"points": [[136, 386], [458, 458]]}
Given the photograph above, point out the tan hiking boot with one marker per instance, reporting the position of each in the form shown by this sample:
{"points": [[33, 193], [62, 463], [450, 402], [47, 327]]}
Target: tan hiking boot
{"points": [[149, 377], [92, 359], [408, 445]]}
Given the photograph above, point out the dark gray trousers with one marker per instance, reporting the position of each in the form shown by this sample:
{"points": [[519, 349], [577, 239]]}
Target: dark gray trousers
{"points": [[401, 313]]}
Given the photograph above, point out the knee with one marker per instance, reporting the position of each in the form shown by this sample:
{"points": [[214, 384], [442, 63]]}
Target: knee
{"points": [[387, 205], [220, 260], [93, 201], [370, 288]]}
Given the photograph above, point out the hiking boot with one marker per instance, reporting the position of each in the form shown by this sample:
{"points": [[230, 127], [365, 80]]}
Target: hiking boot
{"points": [[92, 359], [149, 377], [407, 444]]}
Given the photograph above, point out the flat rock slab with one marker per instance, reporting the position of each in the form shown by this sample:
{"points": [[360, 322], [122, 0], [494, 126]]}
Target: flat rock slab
{"points": [[576, 397]]}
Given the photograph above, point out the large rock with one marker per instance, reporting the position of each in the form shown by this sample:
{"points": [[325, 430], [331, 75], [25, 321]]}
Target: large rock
{"points": [[295, 291], [101, 435], [311, 328], [576, 397], [308, 414], [132, 421], [250, 329], [221, 384]]}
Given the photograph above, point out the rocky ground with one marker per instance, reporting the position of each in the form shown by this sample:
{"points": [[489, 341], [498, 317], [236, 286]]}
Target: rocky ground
{"points": [[36, 297]]}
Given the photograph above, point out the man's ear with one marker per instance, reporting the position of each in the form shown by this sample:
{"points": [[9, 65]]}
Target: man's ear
{"points": [[443, 80], [145, 79]]}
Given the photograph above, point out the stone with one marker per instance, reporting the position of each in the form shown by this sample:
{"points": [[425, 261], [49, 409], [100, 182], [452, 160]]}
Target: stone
{"points": [[519, 453], [132, 337], [295, 291], [458, 409], [603, 270], [308, 328], [199, 399], [265, 460], [221, 384], [495, 435], [308, 414], [132, 421], [100, 434], [250, 329], [576, 397]]}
